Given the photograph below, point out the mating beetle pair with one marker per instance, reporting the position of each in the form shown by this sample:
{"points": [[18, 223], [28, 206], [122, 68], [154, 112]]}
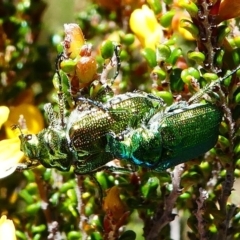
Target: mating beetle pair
{"points": [[81, 142], [136, 127]]}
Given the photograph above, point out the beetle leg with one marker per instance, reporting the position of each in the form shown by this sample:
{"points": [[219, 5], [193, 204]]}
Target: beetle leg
{"points": [[92, 102]]}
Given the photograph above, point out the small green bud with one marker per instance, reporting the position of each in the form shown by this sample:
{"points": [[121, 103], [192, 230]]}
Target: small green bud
{"points": [[198, 57], [72, 209], [33, 208], [155, 5], [39, 228], [237, 149], [223, 31], [74, 235], [238, 73], [185, 196], [20, 235], [150, 56], [96, 221], [189, 73], [163, 52], [237, 98], [29, 175], [223, 129], [224, 142], [189, 26], [124, 55], [150, 187], [190, 6], [60, 48], [47, 174], [37, 237], [231, 42], [55, 81], [128, 39], [238, 163], [237, 173], [107, 49], [102, 179], [237, 41], [68, 66], [166, 19], [89, 209], [210, 76], [205, 166], [160, 73], [71, 193], [227, 81], [32, 188], [166, 96], [54, 199], [236, 56], [176, 53], [190, 179], [67, 185], [219, 57], [28, 198], [170, 42], [96, 236]]}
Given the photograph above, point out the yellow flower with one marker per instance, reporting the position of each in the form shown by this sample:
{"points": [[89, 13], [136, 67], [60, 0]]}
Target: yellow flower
{"points": [[10, 156], [4, 113], [146, 27], [31, 114], [7, 229]]}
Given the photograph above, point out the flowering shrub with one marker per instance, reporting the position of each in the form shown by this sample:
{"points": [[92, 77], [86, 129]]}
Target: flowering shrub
{"points": [[171, 49]]}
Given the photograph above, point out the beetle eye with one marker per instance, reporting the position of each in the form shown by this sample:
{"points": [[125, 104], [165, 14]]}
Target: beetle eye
{"points": [[28, 137]]}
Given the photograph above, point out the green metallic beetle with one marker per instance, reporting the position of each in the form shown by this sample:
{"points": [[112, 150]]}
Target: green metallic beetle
{"points": [[170, 137]]}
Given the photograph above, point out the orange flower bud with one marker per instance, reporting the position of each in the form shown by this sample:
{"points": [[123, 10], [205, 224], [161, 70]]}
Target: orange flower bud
{"points": [[73, 40], [114, 204], [86, 69]]}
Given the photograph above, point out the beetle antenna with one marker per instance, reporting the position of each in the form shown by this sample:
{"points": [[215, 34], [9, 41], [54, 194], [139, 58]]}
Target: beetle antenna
{"points": [[117, 49], [208, 88], [229, 74], [59, 59], [21, 125], [17, 126]]}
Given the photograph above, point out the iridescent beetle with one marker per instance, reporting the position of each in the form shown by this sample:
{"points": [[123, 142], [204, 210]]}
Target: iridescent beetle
{"points": [[181, 132], [170, 137]]}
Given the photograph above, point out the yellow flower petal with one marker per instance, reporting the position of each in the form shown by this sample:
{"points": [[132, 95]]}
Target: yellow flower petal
{"points": [[7, 229], [154, 38], [10, 156], [4, 113], [32, 115], [176, 26], [145, 26]]}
